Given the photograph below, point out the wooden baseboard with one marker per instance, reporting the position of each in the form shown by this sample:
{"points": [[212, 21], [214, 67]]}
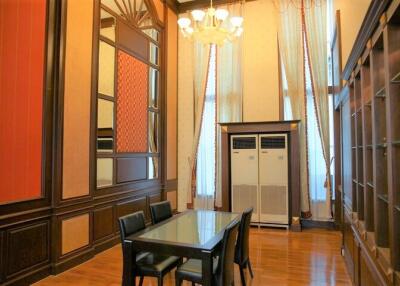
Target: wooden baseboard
{"points": [[30, 277], [106, 244], [306, 223], [78, 258]]}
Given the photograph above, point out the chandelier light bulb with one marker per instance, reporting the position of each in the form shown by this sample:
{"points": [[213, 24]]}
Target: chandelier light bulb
{"points": [[189, 30], [221, 14], [184, 22], [236, 21], [239, 32], [207, 26], [198, 15]]}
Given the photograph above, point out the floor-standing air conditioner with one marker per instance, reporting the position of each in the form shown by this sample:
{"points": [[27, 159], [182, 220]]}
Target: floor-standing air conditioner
{"points": [[244, 174], [273, 179], [259, 177]]}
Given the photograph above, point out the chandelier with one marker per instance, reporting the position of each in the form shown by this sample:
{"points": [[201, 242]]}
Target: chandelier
{"points": [[211, 26]]}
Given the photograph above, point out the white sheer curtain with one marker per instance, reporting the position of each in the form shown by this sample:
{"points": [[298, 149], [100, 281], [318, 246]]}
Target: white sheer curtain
{"points": [[319, 195], [302, 34], [206, 156], [229, 87], [290, 36], [315, 18]]}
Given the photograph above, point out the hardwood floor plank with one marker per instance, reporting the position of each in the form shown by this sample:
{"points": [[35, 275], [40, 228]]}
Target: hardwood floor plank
{"points": [[278, 257]]}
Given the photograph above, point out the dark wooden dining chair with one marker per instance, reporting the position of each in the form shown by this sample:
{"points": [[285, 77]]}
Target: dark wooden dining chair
{"points": [[223, 267], [242, 245], [160, 211], [146, 263]]}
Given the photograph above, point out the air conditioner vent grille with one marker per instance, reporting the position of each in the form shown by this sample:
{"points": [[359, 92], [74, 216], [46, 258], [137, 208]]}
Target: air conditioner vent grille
{"points": [[273, 200], [273, 142], [245, 196], [244, 143]]}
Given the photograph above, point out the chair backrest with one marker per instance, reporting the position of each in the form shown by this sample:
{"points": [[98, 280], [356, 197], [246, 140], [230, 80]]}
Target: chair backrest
{"points": [[242, 245], [160, 211], [131, 224], [224, 274]]}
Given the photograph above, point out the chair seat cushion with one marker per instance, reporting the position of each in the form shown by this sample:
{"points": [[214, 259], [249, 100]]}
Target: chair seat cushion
{"points": [[191, 270], [152, 264]]}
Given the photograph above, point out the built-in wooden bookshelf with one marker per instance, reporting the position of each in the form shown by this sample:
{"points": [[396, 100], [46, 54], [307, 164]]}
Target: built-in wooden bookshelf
{"points": [[372, 93]]}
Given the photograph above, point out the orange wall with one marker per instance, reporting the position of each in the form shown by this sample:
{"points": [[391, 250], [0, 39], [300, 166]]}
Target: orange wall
{"points": [[22, 51], [77, 93], [352, 14]]}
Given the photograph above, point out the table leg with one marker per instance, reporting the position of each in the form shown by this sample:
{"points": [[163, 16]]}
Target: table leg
{"points": [[128, 278], [207, 268]]}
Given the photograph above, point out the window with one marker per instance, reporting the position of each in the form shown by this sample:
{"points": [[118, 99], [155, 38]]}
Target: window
{"points": [[207, 144]]}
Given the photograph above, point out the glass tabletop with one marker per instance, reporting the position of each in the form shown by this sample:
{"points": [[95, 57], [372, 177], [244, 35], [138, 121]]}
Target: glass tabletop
{"points": [[192, 227]]}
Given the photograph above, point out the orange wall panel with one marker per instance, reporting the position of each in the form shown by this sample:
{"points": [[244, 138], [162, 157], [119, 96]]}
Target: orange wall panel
{"points": [[22, 62], [77, 93], [74, 233], [132, 117], [172, 94]]}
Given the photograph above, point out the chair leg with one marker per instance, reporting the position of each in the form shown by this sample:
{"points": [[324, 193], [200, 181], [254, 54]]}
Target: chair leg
{"points": [[242, 275], [141, 280], [251, 270]]}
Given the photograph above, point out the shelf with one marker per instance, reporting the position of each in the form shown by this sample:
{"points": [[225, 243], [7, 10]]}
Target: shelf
{"points": [[369, 146], [396, 143], [383, 198], [360, 146], [381, 145], [361, 185], [397, 208], [368, 104], [353, 114], [396, 78], [353, 147], [381, 93], [355, 181], [370, 184]]}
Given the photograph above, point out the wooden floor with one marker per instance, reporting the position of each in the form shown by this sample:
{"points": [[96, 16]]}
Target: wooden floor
{"points": [[278, 257]]}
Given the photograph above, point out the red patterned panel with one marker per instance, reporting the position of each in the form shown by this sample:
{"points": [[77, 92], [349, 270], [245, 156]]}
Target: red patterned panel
{"points": [[131, 104], [22, 51]]}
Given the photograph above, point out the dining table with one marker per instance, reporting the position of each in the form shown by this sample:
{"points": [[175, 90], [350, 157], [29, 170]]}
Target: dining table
{"points": [[191, 234]]}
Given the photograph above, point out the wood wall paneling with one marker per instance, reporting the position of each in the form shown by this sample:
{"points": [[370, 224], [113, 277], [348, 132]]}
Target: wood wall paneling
{"points": [[131, 206], [74, 225], [155, 198], [172, 197], [27, 246], [131, 169], [75, 233], [103, 222], [77, 95], [22, 73], [132, 40]]}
